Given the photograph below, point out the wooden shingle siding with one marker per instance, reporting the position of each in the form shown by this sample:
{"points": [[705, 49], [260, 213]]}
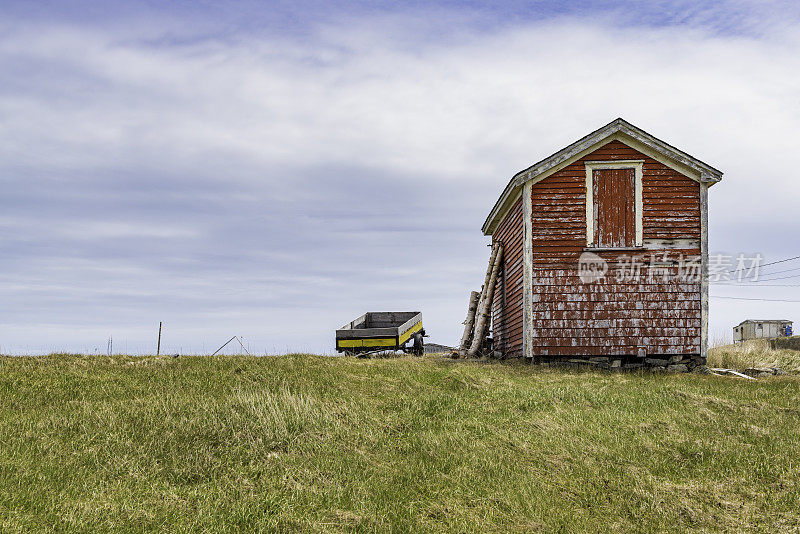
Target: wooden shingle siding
{"points": [[507, 304], [611, 316]]}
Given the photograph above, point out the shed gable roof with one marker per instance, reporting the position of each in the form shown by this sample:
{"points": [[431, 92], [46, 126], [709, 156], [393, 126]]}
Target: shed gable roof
{"points": [[617, 129], [763, 321]]}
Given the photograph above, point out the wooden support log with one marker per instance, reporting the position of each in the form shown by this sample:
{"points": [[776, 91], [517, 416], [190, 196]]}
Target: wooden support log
{"points": [[464, 349], [469, 323], [485, 306], [485, 286]]}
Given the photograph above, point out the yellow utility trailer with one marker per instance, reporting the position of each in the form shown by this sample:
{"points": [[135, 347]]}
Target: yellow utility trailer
{"points": [[382, 331]]}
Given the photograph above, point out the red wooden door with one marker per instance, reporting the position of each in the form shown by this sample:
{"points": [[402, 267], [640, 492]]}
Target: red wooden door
{"points": [[614, 207]]}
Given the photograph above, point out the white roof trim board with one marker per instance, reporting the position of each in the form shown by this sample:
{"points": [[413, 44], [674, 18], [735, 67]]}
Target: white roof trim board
{"points": [[764, 321], [616, 129]]}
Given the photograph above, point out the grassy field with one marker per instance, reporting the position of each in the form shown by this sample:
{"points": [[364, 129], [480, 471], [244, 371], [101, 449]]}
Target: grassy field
{"points": [[753, 353], [338, 444]]}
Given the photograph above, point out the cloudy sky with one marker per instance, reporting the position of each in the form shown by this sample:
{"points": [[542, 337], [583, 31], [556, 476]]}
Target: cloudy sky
{"points": [[274, 169]]}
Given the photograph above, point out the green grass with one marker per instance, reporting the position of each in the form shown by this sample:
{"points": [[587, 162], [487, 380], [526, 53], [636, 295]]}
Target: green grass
{"points": [[339, 444]]}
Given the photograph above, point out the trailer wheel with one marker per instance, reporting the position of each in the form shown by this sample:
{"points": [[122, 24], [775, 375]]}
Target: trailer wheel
{"points": [[419, 344]]}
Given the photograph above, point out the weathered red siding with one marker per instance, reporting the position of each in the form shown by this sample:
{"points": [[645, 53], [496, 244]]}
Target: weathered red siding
{"points": [[507, 304], [610, 316]]}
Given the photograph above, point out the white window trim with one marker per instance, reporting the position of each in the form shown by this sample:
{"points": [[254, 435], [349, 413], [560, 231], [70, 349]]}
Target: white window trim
{"points": [[637, 166]]}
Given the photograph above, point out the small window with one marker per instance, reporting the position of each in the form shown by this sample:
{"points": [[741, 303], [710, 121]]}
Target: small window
{"points": [[760, 326], [614, 208], [614, 204]]}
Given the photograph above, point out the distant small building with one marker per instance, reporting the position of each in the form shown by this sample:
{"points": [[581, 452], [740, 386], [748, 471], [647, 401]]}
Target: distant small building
{"points": [[755, 329]]}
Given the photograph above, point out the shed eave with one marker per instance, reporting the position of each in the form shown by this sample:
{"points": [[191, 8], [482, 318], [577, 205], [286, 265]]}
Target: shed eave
{"points": [[705, 173], [746, 321]]}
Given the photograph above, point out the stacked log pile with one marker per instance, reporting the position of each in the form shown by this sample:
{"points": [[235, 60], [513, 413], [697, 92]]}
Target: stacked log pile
{"points": [[479, 312], [469, 323]]}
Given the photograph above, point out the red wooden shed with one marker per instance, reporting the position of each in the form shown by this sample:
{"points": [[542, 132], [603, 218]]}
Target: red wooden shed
{"points": [[605, 254]]}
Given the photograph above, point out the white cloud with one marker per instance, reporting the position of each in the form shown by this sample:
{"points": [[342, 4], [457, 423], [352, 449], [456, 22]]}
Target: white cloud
{"points": [[98, 229], [279, 153]]}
